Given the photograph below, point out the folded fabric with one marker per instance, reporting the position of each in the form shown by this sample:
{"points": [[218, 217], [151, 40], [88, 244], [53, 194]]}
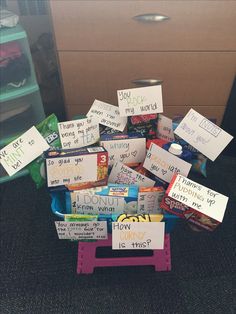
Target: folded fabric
{"points": [[15, 73], [8, 52]]}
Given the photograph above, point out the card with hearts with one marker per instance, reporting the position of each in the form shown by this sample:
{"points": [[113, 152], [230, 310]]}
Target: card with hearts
{"points": [[163, 164], [124, 148]]}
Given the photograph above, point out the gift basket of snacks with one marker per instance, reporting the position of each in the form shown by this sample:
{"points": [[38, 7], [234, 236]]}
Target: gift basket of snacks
{"points": [[118, 176]]}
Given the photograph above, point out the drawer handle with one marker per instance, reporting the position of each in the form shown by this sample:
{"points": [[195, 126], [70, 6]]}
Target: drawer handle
{"points": [[151, 17], [144, 82]]}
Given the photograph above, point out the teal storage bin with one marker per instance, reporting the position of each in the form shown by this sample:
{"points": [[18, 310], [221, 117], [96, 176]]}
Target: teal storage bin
{"points": [[58, 206], [20, 100]]}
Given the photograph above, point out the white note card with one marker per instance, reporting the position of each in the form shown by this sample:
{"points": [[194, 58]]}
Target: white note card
{"points": [[149, 202], [79, 133], [20, 152], [138, 235], [70, 170], [202, 134], [81, 230], [125, 175], [107, 115], [199, 197], [125, 150], [138, 101], [165, 129], [92, 204], [164, 164]]}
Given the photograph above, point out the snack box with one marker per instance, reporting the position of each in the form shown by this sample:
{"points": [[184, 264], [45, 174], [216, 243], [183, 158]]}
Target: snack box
{"points": [[88, 202], [128, 192], [149, 199], [129, 149], [76, 169], [183, 211]]}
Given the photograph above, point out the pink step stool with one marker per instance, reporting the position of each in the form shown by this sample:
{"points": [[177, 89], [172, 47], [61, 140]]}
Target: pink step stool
{"points": [[87, 259]]}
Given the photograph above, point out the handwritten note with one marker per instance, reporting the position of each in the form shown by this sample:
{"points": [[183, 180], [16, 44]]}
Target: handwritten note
{"points": [[135, 235], [107, 115], [165, 129], [19, 153], [85, 203], [123, 174], [199, 197], [149, 202], [142, 100], [202, 134], [79, 230], [125, 151], [79, 133], [163, 164], [70, 170]]}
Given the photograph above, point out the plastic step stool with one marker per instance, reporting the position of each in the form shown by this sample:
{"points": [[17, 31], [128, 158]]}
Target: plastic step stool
{"points": [[87, 260]]}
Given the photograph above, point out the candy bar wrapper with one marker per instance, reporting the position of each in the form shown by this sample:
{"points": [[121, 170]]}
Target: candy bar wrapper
{"points": [[107, 130], [145, 125], [157, 141]]}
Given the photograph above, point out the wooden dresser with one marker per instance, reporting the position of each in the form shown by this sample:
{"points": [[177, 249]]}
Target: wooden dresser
{"points": [[104, 46]]}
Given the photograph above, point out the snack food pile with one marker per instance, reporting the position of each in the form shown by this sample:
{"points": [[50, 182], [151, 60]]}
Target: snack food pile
{"points": [[136, 171]]}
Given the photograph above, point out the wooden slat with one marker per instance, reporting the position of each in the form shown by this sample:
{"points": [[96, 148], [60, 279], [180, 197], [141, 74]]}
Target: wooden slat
{"points": [[109, 25], [197, 79]]}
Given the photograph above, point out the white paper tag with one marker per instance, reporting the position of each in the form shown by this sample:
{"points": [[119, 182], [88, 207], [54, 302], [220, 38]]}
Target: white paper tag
{"points": [[138, 101], [136, 235], [125, 175], [126, 151], [107, 115], [70, 170], [79, 133], [149, 202], [91, 204], [165, 129], [202, 134], [163, 164], [78, 230], [199, 197], [20, 152]]}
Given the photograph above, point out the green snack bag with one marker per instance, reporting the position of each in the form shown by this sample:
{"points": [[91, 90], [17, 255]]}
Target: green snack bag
{"points": [[82, 217], [48, 128]]}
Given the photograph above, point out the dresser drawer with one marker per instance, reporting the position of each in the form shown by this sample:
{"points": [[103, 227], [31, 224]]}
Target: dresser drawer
{"points": [[110, 25], [198, 79], [169, 111]]}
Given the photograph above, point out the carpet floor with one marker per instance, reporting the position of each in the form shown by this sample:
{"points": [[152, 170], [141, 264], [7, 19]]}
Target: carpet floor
{"points": [[38, 271]]}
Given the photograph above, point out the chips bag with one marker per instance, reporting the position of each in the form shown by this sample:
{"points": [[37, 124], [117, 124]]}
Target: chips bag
{"points": [[48, 128]]}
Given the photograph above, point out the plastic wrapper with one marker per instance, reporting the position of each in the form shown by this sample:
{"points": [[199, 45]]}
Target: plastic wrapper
{"points": [[49, 130], [145, 125]]}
